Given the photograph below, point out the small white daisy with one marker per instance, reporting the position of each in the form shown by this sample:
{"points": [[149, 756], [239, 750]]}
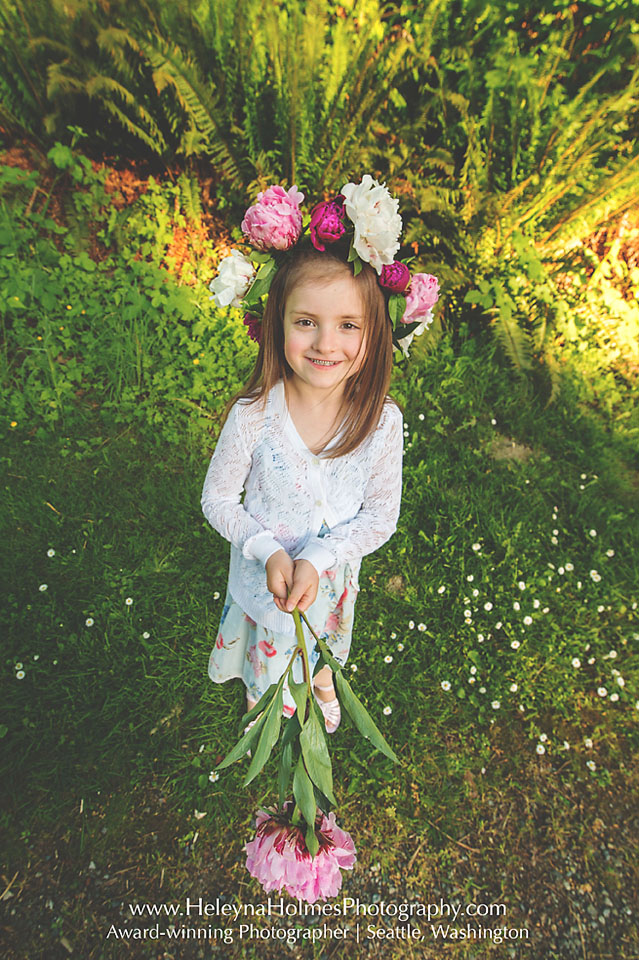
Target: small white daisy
{"points": [[540, 748], [388, 659], [583, 476], [576, 662], [470, 578], [467, 613], [494, 423], [515, 644], [554, 541], [214, 776], [400, 646], [411, 624], [614, 697], [555, 533], [545, 610], [475, 592], [51, 553], [421, 627], [621, 682], [146, 635], [387, 711], [216, 595], [18, 666], [602, 692], [513, 688], [588, 743], [473, 670], [561, 571], [565, 745], [488, 606], [543, 737], [591, 764], [354, 667], [482, 689], [536, 604], [393, 636], [496, 704], [528, 621], [472, 679], [476, 547], [89, 622], [600, 608], [521, 585], [593, 532], [445, 684], [480, 637], [20, 675], [516, 605], [569, 567], [595, 576], [591, 660], [441, 589], [129, 601], [43, 587], [610, 553], [498, 625], [612, 654]]}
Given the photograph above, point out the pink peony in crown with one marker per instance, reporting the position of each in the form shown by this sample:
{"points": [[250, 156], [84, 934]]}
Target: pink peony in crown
{"points": [[362, 219]]}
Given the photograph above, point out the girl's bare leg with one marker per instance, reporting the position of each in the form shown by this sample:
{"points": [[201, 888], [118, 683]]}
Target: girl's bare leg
{"points": [[324, 678]]}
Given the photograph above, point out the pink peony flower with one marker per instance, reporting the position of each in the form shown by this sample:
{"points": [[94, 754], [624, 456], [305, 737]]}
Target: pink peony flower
{"points": [[254, 325], [394, 276], [275, 221], [423, 294], [278, 857], [327, 222]]}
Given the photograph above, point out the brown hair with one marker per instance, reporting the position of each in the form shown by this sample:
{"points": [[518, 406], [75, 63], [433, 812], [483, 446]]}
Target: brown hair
{"points": [[364, 393]]}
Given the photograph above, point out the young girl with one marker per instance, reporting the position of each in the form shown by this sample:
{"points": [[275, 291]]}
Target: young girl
{"points": [[316, 445]]}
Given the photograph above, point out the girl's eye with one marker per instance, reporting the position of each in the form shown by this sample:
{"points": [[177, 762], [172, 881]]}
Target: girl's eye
{"points": [[351, 326]]}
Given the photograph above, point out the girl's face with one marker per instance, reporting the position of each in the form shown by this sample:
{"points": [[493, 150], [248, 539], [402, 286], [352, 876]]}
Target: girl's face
{"points": [[324, 333]]}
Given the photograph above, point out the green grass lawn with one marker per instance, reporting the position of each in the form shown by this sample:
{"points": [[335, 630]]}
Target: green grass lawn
{"points": [[507, 600]]}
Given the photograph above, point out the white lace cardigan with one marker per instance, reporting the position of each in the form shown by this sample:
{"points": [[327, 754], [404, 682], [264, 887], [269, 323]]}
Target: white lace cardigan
{"points": [[289, 492]]}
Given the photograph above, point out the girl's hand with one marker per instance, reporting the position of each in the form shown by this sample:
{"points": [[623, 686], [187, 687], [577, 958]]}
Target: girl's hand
{"points": [[279, 577], [305, 584]]}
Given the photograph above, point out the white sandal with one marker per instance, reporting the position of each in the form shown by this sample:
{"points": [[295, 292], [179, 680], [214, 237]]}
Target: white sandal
{"points": [[330, 709]]}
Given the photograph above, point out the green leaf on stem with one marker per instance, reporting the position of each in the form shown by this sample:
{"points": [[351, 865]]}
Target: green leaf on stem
{"points": [[246, 743], [396, 307], [361, 718], [299, 692], [305, 799], [259, 706], [291, 731], [269, 736], [315, 753]]}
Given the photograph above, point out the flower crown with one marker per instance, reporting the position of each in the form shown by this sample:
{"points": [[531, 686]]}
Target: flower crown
{"points": [[364, 214]]}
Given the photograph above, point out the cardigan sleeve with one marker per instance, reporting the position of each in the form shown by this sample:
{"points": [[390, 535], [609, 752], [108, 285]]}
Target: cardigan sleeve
{"points": [[376, 520], [223, 487]]}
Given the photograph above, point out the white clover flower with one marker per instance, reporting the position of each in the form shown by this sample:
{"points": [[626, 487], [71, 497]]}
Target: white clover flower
{"points": [[528, 621], [588, 743], [400, 646], [602, 691], [388, 659], [513, 688], [387, 711], [214, 776], [614, 697], [496, 704], [146, 635], [595, 576], [543, 737], [473, 670], [20, 675], [51, 553], [421, 627], [576, 662], [516, 605], [43, 587], [445, 684], [89, 622], [540, 748], [476, 547], [234, 277], [591, 764], [610, 553], [488, 606], [483, 690], [515, 644], [621, 682], [441, 589], [411, 624]]}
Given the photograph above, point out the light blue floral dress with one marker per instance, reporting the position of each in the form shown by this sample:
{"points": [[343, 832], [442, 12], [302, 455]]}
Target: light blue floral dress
{"points": [[259, 656]]}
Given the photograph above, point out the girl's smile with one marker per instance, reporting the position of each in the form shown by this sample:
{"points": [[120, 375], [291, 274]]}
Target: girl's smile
{"points": [[323, 333]]}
